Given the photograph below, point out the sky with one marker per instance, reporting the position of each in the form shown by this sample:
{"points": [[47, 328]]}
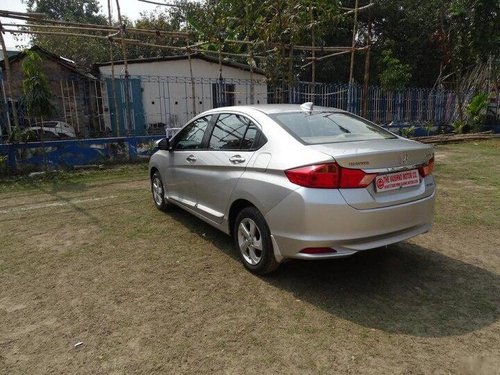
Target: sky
{"points": [[129, 8]]}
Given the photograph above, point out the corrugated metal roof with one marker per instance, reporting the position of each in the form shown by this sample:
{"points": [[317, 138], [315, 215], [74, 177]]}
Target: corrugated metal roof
{"points": [[184, 57]]}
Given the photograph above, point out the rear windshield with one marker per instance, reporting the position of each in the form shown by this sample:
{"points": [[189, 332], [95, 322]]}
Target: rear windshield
{"points": [[329, 127]]}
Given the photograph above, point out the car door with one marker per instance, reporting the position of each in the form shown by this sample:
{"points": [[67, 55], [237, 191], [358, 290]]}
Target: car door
{"points": [[181, 175], [232, 143]]}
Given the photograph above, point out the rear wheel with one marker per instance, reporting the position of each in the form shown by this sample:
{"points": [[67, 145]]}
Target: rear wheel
{"points": [[252, 239], [158, 192]]}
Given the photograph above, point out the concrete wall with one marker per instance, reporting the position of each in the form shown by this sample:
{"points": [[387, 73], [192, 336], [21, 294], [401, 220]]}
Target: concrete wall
{"points": [[167, 93]]}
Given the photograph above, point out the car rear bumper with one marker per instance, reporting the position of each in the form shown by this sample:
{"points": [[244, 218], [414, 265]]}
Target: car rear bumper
{"points": [[316, 218]]}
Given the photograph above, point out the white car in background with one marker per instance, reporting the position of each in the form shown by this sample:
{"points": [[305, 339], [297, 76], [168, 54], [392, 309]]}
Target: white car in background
{"points": [[51, 130]]}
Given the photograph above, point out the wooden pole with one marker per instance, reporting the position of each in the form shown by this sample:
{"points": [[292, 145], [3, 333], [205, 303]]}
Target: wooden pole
{"points": [[128, 120], [9, 84], [290, 71], [313, 66], [353, 44], [252, 86], [113, 83], [193, 90], [312, 88], [350, 98], [366, 77]]}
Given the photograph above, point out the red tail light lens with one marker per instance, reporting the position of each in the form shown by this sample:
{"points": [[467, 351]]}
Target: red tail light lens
{"points": [[354, 178], [329, 176], [315, 176], [427, 169]]}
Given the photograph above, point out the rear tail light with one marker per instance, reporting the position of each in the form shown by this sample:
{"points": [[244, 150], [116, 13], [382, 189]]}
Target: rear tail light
{"points": [[427, 168], [329, 176]]}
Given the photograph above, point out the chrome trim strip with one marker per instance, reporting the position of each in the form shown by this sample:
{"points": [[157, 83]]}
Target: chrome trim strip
{"points": [[209, 211], [182, 201]]}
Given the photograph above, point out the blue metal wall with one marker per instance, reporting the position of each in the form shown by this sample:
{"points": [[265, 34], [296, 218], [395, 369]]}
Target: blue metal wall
{"points": [[71, 153], [138, 126]]}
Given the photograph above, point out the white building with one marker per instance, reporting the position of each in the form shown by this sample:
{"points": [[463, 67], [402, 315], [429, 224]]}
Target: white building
{"points": [[170, 90]]}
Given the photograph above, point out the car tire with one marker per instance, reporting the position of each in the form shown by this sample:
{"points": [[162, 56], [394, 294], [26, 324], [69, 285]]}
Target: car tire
{"points": [[252, 240], [158, 192]]}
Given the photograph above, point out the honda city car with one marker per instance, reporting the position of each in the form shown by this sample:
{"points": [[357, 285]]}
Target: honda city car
{"points": [[296, 181]]}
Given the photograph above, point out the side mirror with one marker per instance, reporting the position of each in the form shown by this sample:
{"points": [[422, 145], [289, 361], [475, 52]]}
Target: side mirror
{"points": [[163, 144]]}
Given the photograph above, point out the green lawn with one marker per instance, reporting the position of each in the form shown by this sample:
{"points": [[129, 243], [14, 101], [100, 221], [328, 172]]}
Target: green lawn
{"points": [[85, 257]]}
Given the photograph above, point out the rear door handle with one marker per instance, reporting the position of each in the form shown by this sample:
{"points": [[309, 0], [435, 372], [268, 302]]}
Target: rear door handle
{"points": [[191, 158], [236, 159]]}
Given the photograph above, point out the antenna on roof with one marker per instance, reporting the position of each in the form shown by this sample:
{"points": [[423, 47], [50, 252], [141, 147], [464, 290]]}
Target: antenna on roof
{"points": [[307, 107]]}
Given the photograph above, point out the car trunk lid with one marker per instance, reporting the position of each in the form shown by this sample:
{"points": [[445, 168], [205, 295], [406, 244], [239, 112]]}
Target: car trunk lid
{"points": [[394, 161]]}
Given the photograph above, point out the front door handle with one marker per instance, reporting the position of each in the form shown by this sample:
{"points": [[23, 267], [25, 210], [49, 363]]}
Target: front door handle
{"points": [[191, 158], [236, 159]]}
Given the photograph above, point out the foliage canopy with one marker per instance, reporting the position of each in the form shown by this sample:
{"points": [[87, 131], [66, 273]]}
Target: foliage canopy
{"points": [[431, 42]]}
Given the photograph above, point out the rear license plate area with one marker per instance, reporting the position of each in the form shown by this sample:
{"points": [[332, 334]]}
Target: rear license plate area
{"points": [[397, 180]]}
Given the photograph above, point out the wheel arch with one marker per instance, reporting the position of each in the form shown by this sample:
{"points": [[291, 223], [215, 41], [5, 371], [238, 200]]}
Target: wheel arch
{"points": [[152, 171], [235, 208]]}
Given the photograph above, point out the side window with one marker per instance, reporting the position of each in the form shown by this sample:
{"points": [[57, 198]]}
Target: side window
{"points": [[251, 136], [228, 132], [233, 132], [191, 137]]}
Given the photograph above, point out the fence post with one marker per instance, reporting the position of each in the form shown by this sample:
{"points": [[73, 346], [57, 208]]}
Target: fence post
{"points": [[350, 95], [132, 148], [11, 158]]}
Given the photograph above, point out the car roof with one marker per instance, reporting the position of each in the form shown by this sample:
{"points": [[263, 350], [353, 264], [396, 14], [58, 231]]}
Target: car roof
{"points": [[275, 108]]}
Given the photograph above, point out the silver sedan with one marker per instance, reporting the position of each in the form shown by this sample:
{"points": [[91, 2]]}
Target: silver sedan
{"points": [[296, 182]]}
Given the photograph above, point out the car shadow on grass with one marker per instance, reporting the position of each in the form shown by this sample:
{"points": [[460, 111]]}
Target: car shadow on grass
{"points": [[403, 288], [196, 226]]}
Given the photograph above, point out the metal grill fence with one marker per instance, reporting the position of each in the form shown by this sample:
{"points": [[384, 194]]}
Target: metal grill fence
{"points": [[157, 103], [412, 105]]}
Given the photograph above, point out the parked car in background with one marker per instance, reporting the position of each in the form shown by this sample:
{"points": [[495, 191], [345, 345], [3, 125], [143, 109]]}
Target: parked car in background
{"points": [[51, 130], [296, 182]]}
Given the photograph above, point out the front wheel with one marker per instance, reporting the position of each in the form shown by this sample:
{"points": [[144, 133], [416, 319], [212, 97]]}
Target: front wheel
{"points": [[252, 239], [158, 192]]}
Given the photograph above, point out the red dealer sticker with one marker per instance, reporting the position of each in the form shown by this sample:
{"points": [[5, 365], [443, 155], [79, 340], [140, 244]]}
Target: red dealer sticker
{"points": [[397, 180]]}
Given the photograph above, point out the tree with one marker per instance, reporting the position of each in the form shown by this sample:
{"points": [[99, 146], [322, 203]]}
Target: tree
{"points": [[68, 10], [268, 28], [160, 21], [84, 52], [395, 75], [436, 38], [36, 92]]}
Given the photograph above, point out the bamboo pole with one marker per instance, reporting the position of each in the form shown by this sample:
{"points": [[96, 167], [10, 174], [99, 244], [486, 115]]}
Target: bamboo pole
{"points": [[113, 83], [94, 36], [138, 42], [366, 77], [326, 57], [193, 89], [9, 83], [312, 89], [313, 52], [36, 20], [251, 62], [128, 120], [290, 69], [353, 44]]}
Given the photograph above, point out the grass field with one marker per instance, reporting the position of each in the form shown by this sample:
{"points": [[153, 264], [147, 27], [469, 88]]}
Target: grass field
{"points": [[86, 258]]}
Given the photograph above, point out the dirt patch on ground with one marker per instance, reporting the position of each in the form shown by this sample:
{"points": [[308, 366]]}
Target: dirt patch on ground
{"points": [[114, 286]]}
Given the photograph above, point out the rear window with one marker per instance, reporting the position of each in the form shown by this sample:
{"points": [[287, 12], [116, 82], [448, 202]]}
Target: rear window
{"points": [[329, 127]]}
